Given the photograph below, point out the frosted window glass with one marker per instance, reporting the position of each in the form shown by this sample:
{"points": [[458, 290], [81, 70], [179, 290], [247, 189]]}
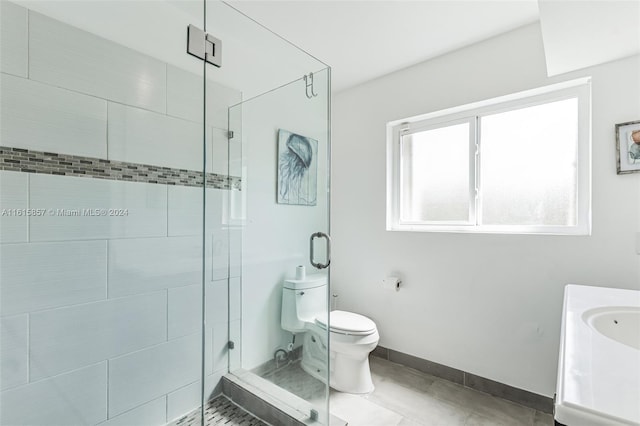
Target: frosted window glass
{"points": [[435, 175], [529, 165]]}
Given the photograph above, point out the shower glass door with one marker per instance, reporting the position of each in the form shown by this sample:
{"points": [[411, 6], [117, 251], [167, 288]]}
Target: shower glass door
{"points": [[281, 152]]}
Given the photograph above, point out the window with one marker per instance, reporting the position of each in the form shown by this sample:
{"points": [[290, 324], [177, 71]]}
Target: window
{"points": [[515, 164]]}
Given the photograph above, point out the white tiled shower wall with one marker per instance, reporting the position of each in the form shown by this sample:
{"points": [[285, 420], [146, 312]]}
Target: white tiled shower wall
{"points": [[100, 316]]}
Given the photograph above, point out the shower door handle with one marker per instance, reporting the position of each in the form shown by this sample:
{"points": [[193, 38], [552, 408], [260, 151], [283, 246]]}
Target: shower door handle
{"points": [[311, 250]]}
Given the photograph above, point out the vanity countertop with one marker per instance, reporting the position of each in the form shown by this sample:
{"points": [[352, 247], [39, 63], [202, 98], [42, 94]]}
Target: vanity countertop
{"points": [[599, 362]]}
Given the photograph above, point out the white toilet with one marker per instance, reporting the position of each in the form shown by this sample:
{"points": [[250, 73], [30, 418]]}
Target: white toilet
{"points": [[352, 336]]}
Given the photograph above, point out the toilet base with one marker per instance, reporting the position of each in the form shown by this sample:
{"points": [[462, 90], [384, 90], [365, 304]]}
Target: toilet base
{"points": [[314, 360], [349, 363], [350, 375]]}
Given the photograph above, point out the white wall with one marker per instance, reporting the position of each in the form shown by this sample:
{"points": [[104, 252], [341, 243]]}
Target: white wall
{"points": [[486, 304]]}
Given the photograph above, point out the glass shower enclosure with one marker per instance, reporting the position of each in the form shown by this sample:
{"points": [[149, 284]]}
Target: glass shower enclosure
{"points": [[152, 206]]}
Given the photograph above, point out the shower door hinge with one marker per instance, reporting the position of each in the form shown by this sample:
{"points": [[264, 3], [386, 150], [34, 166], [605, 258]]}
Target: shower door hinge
{"points": [[230, 134], [231, 345], [204, 46]]}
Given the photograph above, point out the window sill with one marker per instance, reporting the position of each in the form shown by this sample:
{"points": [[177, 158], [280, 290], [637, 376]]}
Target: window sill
{"points": [[486, 229]]}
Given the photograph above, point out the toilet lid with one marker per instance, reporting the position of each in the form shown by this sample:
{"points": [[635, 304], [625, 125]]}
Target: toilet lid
{"points": [[348, 323]]}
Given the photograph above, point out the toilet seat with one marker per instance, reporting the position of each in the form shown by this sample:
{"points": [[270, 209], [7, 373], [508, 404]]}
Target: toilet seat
{"points": [[347, 323]]}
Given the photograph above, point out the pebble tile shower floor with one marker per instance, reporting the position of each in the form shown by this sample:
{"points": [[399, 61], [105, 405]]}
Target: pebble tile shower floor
{"points": [[220, 411]]}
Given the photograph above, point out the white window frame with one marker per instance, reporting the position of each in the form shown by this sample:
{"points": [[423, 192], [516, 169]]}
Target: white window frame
{"points": [[579, 88]]}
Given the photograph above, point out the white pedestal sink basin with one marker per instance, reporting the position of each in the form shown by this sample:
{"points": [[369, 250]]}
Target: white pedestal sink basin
{"points": [[619, 323], [599, 363]]}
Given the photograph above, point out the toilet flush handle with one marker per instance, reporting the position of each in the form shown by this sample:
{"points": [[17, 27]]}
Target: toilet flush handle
{"points": [[319, 265]]}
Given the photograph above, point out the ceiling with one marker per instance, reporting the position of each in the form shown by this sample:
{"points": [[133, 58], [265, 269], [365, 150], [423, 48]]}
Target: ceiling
{"points": [[363, 40], [600, 31]]}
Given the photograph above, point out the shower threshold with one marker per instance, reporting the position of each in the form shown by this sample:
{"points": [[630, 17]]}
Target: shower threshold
{"points": [[220, 411], [249, 400], [272, 403]]}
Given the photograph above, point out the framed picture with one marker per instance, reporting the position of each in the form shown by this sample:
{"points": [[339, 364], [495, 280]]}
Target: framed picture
{"points": [[297, 169], [628, 147]]}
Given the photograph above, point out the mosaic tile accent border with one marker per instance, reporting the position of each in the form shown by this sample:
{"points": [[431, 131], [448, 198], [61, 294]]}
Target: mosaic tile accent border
{"points": [[29, 161]]}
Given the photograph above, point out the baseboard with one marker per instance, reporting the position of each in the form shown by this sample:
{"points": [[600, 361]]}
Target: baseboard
{"points": [[472, 381]]}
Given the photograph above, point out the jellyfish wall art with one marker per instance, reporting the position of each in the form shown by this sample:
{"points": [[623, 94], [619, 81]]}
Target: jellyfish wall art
{"points": [[297, 169]]}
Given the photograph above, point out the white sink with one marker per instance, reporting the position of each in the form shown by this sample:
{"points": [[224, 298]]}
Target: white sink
{"points": [[599, 363], [619, 323]]}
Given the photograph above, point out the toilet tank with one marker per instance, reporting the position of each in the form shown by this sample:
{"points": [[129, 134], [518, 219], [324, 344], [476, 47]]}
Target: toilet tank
{"points": [[302, 301]]}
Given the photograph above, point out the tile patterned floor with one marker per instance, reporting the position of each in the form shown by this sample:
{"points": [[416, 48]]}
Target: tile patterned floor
{"points": [[407, 397], [403, 397], [220, 411]]}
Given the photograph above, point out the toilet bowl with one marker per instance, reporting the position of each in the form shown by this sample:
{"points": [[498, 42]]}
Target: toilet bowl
{"points": [[351, 336]]}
